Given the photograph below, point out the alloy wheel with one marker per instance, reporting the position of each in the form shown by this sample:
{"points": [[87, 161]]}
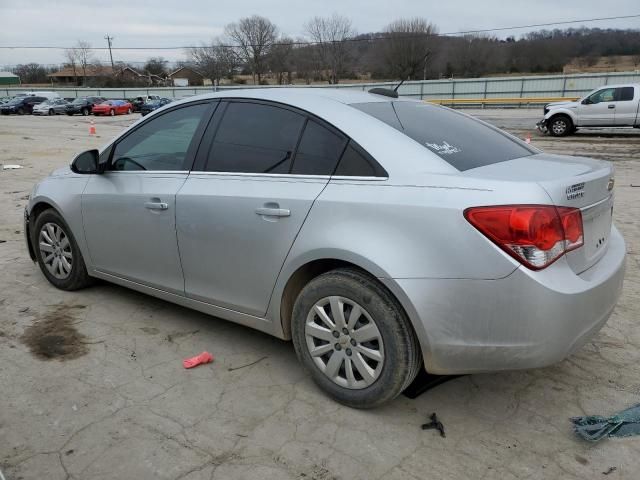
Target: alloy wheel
{"points": [[55, 250], [559, 127], [344, 342]]}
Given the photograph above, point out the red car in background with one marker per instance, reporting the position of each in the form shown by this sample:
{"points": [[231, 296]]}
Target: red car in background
{"points": [[112, 107]]}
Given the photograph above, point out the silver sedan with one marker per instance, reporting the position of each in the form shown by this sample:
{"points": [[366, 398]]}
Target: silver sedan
{"points": [[52, 106], [382, 235]]}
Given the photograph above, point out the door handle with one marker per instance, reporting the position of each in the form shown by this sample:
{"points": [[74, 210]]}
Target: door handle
{"points": [[273, 212], [156, 205], [611, 106]]}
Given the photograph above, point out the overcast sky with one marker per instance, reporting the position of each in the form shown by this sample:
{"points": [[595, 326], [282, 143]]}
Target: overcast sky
{"points": [[161, 23]]}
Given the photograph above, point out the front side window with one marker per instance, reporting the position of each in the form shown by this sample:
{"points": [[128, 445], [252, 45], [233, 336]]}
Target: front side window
{"points": [[604, 95], [458, 139], [255, 138], [161, 143]]}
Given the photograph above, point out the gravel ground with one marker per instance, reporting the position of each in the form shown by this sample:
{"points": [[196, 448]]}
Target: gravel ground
{"points": [[119, 405]]}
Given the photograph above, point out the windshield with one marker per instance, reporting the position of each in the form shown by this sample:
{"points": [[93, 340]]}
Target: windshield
{"points": [[78, 101], [15, 101], [461, 141]]}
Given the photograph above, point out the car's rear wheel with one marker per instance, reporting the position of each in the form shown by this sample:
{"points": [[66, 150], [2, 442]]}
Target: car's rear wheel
{"points": [[21, 111], [51, 112], [129, 111], [560, 125], [85, 111], [112, 112], [57, 252], [354, 338]]}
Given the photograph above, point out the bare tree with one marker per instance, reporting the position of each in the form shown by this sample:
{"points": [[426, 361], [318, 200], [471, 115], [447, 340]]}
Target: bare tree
{"points": [[280, 60], [83, 50], [71, 54], [407, 47], [331, 35], [215, 61], [255, 37]]}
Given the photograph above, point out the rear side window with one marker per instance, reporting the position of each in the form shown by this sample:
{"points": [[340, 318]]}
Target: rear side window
{"points": [[461, 141], [355, 162], [625, 94], [319, 151], [255, 138]]}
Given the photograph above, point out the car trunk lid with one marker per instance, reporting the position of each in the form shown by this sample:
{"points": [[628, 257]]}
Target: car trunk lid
{"points": [[578, 182]]}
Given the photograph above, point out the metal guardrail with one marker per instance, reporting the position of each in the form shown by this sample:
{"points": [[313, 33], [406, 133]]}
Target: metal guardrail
{"points": [[499, 101], [536, 87]]}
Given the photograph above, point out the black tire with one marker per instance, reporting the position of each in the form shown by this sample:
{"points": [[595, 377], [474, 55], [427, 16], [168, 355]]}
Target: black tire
{"points": [[560, 126], [402, 355], [21, 111], [70, 114], [78, 277], [85, 111], [129, 111], [51, 112], [112, 112]]}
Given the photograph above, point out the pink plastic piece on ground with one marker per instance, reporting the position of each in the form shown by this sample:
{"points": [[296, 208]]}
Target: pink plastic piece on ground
{"points": [[204, 357]]}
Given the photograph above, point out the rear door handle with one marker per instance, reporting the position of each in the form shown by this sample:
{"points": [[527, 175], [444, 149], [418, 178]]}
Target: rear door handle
{"points": [[611, 106], [273, 212], [156, 205]]}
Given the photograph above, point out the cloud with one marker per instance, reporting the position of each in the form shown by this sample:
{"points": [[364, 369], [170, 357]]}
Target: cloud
{"points": [[150, 23]]}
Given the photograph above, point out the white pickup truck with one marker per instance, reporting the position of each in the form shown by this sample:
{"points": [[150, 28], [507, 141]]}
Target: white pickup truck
{"points": [[609, 106]]}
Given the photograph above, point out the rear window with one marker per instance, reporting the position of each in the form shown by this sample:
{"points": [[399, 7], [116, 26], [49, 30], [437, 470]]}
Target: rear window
{"points": [[625, 94], [461, 141]]}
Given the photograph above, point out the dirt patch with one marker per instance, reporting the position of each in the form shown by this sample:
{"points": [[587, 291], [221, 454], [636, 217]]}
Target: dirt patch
{"points": [[53, 336]]}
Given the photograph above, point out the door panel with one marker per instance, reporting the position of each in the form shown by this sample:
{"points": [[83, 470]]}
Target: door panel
{"points": [[129, 223], [601, 112], [626, 105], [235, 231]]}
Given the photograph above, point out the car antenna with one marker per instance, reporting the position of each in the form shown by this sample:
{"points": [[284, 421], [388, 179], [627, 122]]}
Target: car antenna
{"points": [[388, 92], [399, 85]]}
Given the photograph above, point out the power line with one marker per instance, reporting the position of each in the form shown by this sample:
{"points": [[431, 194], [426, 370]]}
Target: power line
{"points": [[365, 39]]}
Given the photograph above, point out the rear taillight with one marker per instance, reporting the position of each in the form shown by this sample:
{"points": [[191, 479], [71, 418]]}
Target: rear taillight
{"points": [[535, 235]]}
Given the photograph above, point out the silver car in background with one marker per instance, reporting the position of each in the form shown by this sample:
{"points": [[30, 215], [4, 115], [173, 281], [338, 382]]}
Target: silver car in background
{"points": [[52, 106], [382, 235]]}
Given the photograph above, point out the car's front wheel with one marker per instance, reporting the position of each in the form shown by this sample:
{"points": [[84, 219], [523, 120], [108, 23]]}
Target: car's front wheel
{"points": [[112, 112], [560, 125], [354, 338], [85, 111], [57, 252]]}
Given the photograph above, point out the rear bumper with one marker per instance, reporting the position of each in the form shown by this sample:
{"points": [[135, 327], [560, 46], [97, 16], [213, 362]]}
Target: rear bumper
{"points": [[525, 320]]}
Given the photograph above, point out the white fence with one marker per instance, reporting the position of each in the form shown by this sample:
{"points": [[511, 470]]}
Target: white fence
{"points": [[467, 88]]}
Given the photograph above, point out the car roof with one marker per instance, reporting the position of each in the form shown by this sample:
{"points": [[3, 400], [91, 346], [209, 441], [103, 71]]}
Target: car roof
{"points": [[384, 143]]}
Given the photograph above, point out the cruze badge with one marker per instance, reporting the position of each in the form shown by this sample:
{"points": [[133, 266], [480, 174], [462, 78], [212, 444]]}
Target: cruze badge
{"points": [[610, 184], [575, 191]]}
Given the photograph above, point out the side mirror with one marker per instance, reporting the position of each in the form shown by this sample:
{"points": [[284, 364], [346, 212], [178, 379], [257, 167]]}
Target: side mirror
{"points": [[86, 162], [586, 101]]}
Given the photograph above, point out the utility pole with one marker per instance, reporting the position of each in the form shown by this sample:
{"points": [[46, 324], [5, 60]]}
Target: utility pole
{"points": [[109, 39]]}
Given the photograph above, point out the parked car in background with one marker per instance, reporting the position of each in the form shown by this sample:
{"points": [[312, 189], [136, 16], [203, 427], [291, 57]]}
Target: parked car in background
{"points": [[55, 106], [382, 235], [141, 100], [21, 105], [83, 105], [609, 106], [152, 105], [112, 107], [45, 94]]}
